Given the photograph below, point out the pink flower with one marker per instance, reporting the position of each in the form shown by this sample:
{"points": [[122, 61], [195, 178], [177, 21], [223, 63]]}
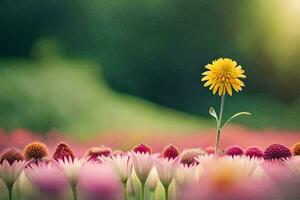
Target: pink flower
{"points": [[228, 178], [121, 164], [9, 173], [71, 169], [170, 151], [166, 169], [294, 165], [94, 153], [63, 151], [142, 163], [186, 174], [98, 182], [254, 152], [277, 152], [234, 151], [47, 178], [142, 148]]}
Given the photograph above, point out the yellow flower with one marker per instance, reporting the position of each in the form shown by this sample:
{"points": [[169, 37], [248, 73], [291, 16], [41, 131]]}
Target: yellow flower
{"points": [[223, 75]]}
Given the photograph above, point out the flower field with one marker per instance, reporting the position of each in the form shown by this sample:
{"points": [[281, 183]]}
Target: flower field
{"points": [[187, 169]]}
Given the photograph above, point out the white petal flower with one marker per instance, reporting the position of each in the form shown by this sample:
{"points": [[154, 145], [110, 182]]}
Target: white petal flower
{"points": [[10, 173], [121, 164], [71, 168], [166, 169], [186, 174], [246, 164], [142, 163]]}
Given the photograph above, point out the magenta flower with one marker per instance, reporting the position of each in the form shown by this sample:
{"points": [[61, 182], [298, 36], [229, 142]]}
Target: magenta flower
{"points": [[170, 151], [63, 151], [278, 152], [142, 148], [98, 182], [254, 152], [234, 151]]}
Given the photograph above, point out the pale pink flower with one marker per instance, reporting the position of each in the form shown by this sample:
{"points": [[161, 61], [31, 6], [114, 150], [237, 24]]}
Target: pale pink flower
{"points": [[98, 182], [228, 178], [186, 174], [121, 164], [294, 165], [142, 163], [47, 178], [166, 169], [9, 173], [71, 169]]}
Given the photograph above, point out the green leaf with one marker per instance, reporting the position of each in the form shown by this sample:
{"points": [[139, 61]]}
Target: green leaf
{"points": [[234, 116], [213, 113]]}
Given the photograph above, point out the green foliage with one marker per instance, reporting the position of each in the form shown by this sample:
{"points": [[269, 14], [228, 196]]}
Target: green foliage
{"points": [[70, 96]]}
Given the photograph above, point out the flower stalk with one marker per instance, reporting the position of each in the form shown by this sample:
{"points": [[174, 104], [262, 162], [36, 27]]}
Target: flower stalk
{"points": [[9, 188], [74, 192], [142, 193], [125, 190], [166, 187], [219, 126], [223, 76]]}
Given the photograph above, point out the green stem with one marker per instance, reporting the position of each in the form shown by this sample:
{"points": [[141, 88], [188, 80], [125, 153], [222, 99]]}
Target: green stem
{"points": [[74, 192], [125, 190], [166, 192], [219, 125], [153, 195], [142, 193], [9, 192]]}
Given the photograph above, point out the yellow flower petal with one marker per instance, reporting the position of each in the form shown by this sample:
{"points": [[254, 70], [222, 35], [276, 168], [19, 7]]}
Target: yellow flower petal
{"points": [[222, 75]]}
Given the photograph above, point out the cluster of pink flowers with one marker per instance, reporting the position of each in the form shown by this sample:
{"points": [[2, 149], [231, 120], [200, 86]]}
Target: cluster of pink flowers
{"points": [[192, 174]]}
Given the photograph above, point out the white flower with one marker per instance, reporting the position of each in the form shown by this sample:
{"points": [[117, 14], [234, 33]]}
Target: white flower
{"points": [[152, 180], [71, 169], [121, 164], [10, 173], [142, 163], [205, 161], [166, 169], [186, 174], [246, 164]]}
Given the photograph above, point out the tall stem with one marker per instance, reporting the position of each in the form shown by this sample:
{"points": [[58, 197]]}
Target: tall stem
{"points": [[219, 126], [74, 192], [125, 190], [166, 192], [142, 193]]}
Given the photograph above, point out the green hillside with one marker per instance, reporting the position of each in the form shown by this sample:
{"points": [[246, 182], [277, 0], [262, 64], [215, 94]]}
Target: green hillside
{"points": [[71, 96]]}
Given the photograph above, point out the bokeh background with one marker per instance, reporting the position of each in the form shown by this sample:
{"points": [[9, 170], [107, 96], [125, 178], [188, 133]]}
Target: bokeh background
{"points": [[91, 67]]}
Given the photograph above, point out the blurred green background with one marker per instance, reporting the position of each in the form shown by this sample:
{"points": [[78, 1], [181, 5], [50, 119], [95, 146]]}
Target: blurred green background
{"points": [[88, 66]]}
